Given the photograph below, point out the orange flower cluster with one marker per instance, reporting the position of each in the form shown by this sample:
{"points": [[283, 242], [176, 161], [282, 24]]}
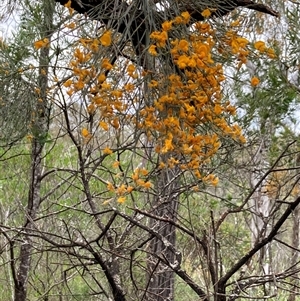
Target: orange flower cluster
{"points": [[41, 43], [109, 102], [138, 182], [263, 49], [239, 46], [190, 116]]}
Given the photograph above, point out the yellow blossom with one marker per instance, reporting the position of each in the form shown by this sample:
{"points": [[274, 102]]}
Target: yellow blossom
{"points": [[215, 181], [147, 185], [79, 85], [218, 109], [116, 164], [94, 46], [130, 189], [104, 125], [178, 20], [235, 23], [167, 25], [105, 86], [162, 165], [254, 81], [135, 175], [183, 45], [183, 61], [107, 151], [197, 174], [29, 137], [106, 64], [260, 46], [203, 27], [271, 53], [105, 39], [70, 92], [110, 186], [101, 78], [186, 17], [68, 4], [153, 83], [71, 25], [159, 37], [140, 182], [242, 41], [91, 108], [168, 145], [85, 133], [121, 189], [115, 123], [206, 13], [121, 199], [144, 171], [130, 69], [129, 87], [152, 50], [41, 43]]}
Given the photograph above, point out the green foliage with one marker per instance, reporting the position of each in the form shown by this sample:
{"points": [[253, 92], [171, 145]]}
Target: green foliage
{"points": [[72, 222]]}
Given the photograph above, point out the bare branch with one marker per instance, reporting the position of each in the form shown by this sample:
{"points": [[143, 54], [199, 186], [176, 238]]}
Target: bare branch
{"points": [[259, 245]]}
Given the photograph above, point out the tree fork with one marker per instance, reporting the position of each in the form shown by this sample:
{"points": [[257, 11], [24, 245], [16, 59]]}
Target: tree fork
{"points": [[130, 20]]}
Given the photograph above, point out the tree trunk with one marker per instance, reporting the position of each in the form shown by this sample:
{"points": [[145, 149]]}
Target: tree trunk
{"points": [[160, 276], [260, 202], [32, 207], [39, 132], [295, 256]]}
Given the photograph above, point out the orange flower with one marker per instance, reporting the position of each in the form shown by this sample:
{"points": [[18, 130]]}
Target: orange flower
{"points": [[107, 151], [110, 186], [121, 189], [183, 45], [186, 17], [130, 189], [104, 125], [130, 68], [41, 43], [260, 46], [101, 78], [121, 199], [147, 185], [105, 40], [68, 83], [159, 37], [152, 50], [214, 181], [68, 4], [167, 25], [85, 133], [106, 64], [116, 164], [206, 13], [254, 81]]}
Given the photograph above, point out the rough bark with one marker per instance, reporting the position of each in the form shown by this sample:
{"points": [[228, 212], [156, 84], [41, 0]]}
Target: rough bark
{"points": [[295, 255], [160, 276]]}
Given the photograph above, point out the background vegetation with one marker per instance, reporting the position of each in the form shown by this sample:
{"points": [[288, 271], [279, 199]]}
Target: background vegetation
{"points": [[149, 150]]}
